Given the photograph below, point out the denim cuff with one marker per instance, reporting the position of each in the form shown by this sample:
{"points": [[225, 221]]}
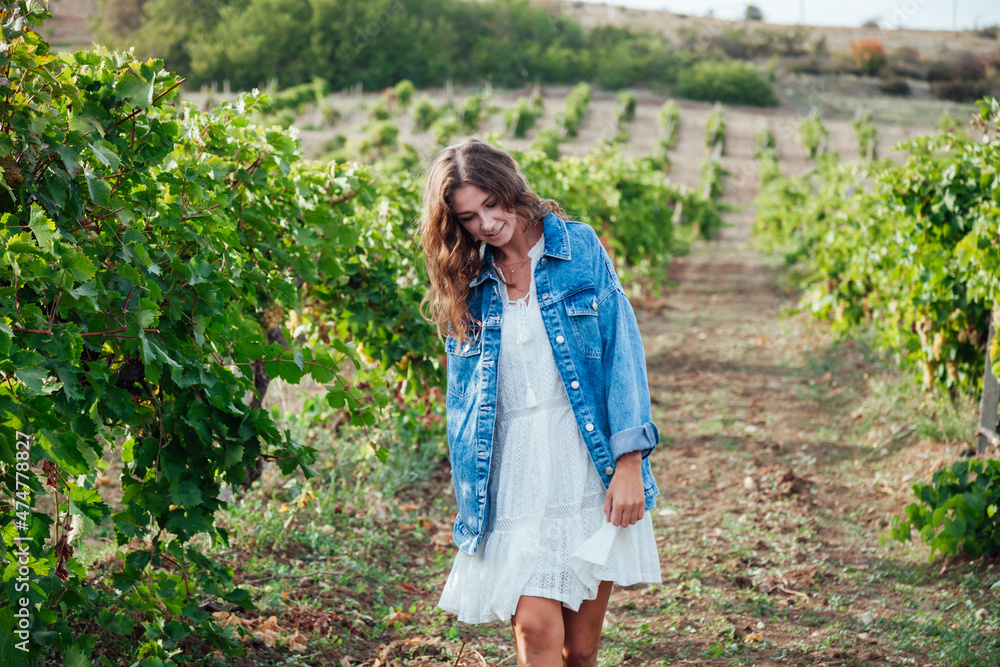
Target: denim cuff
{"points": [[638, 438]]}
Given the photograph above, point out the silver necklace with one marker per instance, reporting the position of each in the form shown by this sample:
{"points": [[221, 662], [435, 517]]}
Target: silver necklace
{"points": [[513, 271]]}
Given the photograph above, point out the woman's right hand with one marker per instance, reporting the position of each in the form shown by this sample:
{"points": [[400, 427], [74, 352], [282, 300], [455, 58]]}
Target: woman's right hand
{"points": [[625, 503]]}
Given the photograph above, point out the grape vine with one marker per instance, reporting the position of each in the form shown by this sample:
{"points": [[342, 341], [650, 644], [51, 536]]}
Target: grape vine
{"points": [[915, 255]]}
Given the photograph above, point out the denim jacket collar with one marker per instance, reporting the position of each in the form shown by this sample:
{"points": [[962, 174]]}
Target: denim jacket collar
{"points": [[556, 246]]}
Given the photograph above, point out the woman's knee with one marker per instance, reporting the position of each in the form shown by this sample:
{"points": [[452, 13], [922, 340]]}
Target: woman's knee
{"points": [[581, 651], [538, 629], [539, 635], [583, 629]]}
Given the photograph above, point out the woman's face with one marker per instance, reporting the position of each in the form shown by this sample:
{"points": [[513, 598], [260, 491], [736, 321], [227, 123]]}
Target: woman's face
{"points": [[481, 215]]}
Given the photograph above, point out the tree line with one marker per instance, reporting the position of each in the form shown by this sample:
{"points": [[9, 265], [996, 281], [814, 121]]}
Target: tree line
{"points": [[380, 42]]}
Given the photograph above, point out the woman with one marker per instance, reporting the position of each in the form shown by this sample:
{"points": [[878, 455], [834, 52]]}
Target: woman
{"points": [[548, 412]]}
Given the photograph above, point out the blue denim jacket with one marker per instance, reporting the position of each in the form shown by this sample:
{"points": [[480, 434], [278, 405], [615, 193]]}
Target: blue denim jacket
{"points": [[596, 344]]}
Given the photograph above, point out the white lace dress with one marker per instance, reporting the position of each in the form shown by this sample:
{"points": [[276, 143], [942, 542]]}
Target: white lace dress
{"points": [[547, 534]]}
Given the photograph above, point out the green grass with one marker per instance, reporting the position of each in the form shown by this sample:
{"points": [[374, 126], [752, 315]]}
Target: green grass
{"points": [[364, 533]]}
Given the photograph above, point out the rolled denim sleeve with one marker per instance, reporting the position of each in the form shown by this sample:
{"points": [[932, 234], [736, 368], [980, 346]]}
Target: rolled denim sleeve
{"points": [[624, 362], [637, 438]]}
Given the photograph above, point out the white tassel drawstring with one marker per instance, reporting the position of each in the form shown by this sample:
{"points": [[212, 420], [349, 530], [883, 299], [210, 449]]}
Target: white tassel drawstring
{"points": [[523, 336], [520, 317]]}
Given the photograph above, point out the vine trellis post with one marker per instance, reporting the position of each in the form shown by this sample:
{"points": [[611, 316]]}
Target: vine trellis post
{"points": [[986, 433]]}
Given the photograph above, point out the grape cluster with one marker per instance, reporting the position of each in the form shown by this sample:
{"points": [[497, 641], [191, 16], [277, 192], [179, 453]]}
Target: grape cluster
{"points": [[11, 171], [272, 317], [930, 366], [315, 313], [923, 328], [938, 347], [319, 320], [951, 366]]}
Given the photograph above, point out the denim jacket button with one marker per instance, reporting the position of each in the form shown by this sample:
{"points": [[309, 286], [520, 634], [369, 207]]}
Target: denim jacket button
{"points": [[574, 384], [465, 348], [545, 296], [542, 261], [560, 340], [590, 427], [609, 471], [594, 306]]}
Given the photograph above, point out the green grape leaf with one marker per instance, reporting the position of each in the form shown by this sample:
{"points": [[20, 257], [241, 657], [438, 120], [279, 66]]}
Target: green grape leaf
{"points": [[38, 381], [106, 154], [65, 450], [82, 270], [234, 455], [43, 228], [136, 90], [185, 493], [70, 159], [100, 191], [76, 657]]}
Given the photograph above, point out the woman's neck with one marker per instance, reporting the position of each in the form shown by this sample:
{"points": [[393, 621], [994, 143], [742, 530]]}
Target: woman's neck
{"points": [[517, 248]]}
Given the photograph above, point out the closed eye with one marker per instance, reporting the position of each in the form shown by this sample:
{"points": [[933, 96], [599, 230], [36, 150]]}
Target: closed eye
{"points": [[466, 217]]}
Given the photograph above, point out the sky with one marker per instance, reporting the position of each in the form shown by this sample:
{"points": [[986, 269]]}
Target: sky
{"points": [[918, 14]]}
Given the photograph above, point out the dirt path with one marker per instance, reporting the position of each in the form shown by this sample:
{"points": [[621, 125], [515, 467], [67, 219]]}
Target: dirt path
{"points": [[752, 517], [780, 472], [773, 498]]}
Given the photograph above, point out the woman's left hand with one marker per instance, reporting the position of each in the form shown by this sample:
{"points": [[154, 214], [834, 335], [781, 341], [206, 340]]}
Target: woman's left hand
{"points": [[626, 501]]}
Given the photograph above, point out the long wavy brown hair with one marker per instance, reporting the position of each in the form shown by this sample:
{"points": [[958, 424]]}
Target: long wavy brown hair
{"points": [[453, 255]]}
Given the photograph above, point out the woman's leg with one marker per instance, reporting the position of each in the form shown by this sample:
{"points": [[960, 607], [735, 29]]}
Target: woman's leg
{"points": [[583, 629], [538, 632]]}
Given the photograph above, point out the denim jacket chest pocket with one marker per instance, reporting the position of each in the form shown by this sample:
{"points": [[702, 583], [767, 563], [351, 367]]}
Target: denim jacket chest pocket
{"points": [[581, 310], [463, 365]]}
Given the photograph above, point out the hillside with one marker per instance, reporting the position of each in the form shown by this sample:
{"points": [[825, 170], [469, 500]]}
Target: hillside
{"points": [[70, 28], [927, 42]]}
